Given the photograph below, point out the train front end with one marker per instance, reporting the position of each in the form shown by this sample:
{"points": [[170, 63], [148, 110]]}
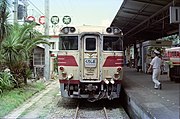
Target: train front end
{"points": [[90, 63]]}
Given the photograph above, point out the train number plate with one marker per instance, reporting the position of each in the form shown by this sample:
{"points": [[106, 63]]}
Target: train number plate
{"points": [[90, 62]]}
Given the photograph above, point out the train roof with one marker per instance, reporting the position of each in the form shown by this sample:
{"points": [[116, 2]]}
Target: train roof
{"points": [[173, 49], [88, 28]]}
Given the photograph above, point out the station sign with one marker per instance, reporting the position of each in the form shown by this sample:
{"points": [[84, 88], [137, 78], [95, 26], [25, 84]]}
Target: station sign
{"points": [[31, 18], [54, 20], [66, 20], [42, 19]]}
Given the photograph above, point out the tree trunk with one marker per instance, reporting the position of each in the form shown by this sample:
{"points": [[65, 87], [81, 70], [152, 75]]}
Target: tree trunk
{"points": [[2, 19]]}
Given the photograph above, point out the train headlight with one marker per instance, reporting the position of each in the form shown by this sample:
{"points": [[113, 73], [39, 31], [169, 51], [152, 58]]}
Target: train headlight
{"points": [[65, 30], [72, 29], [109, 30], [116, 30]]}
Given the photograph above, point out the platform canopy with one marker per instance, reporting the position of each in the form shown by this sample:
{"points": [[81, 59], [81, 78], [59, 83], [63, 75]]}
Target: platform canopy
{"points": [[142, 20]]}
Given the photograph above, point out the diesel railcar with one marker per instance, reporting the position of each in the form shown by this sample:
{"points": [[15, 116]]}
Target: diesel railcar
{"points": [[90, 62]]}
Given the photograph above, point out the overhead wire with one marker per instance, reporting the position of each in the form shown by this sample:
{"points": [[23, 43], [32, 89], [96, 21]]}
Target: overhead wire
{"points": [[37, 8]]}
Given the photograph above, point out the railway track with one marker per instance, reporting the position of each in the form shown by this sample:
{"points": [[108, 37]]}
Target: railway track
{"points": [[88, 114], [98, 111]]}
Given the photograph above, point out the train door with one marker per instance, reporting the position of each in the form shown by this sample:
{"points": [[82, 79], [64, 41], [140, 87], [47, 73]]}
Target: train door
{"points": [[90, 56]]}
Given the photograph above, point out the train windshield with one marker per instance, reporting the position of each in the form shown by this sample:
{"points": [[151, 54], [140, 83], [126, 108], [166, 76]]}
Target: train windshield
{"points": [[68, 43], [112, 43], [90, 44]]}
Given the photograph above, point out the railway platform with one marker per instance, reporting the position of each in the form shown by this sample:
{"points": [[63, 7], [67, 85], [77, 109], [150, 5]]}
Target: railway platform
{"points": [[142, 101]]}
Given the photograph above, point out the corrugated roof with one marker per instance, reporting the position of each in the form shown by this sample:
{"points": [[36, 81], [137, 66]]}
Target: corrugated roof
{"points": [[142, 20]]}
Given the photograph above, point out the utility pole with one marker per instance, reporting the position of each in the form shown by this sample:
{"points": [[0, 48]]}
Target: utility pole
{"points": [[46, 31], [15, 10]]}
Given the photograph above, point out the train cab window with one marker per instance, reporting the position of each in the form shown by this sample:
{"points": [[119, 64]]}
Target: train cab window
{"points": [[90, 44], [68, 43], [112, 43]]}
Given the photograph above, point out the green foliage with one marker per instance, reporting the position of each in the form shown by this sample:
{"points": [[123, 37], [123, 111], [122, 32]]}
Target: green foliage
{"points": [[56, 64], [19, 44], [3, 19], [170, 64], [12, 99], [28, 73], [39, 86], [6, 81], [16, 49]]}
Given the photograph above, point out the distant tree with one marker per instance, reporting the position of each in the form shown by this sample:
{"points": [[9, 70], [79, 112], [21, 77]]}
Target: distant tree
{"points": [[3, 19]]}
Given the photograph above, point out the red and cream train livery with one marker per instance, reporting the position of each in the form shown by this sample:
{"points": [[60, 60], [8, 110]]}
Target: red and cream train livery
{"points": [[90, 62], [173, 55]]}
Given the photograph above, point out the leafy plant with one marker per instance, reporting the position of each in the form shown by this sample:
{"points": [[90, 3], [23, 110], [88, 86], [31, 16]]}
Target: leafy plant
{"points": [[6, 81], [170, 64], [13, 98], [17, 48]]}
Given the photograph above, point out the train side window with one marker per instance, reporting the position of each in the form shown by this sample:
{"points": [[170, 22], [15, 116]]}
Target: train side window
{"points": [[68, 43], [90, 44]]}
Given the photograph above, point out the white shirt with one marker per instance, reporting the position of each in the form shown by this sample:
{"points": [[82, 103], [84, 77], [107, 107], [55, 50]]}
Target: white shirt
{"points": [[156, 62]]}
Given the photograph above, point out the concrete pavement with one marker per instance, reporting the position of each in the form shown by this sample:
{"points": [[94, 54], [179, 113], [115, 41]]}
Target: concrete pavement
{"points": [[144, 102]]}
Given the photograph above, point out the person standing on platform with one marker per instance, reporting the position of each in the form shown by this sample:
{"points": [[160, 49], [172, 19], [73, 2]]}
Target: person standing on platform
{"points": [[155, 66]]}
